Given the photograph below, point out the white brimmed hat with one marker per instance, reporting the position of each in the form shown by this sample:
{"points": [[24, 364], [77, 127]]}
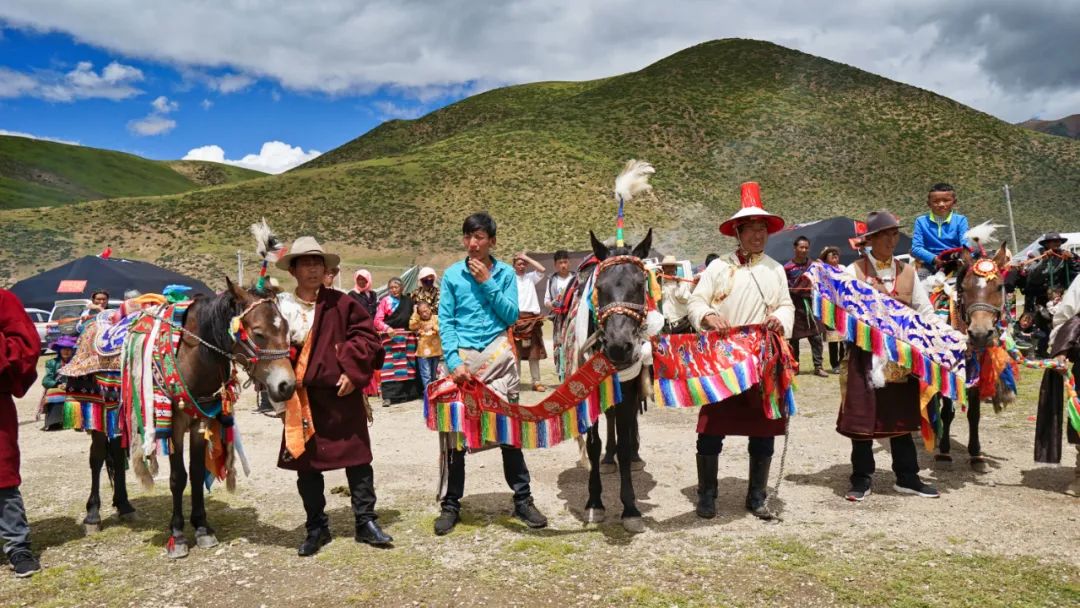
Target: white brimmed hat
{"points": [[307, 245], [751, 210]]}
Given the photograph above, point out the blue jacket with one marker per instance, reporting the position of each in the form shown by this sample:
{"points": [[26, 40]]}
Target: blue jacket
{"points": [[931, 238], [471, 314]]}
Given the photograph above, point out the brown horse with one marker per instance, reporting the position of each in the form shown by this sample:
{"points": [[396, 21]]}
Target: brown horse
{"points": [[980, 303], [205, 357]]}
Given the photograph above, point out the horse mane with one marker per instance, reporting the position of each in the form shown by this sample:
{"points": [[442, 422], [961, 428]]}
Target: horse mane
{"points": [[214, 316]]}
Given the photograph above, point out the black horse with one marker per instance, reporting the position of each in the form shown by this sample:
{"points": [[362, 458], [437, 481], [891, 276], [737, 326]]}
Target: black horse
{"points": [[621, 312]]}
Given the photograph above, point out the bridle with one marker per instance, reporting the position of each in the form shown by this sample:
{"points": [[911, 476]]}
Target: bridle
{"points": [[251, 354], [635, 311], [987, 269]]}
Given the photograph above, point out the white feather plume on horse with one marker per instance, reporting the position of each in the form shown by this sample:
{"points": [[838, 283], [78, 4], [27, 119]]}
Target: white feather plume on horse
{"points": [[267, 245], [982, 233], [633, 180]]}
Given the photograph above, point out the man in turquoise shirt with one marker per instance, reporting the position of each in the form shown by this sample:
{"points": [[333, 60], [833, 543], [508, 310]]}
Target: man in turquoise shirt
{"points": [[940, 230], [477, 303]]}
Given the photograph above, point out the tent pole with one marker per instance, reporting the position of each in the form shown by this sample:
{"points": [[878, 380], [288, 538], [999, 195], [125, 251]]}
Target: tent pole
{"points": [[239, 267]]}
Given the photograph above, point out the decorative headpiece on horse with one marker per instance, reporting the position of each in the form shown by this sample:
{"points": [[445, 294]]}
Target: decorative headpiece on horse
{"points": [[268, 247]]}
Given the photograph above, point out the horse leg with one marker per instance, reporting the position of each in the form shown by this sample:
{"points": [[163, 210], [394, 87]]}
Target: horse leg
{"points": [[204, 534], [607, 465], [625, 416], [119, 468], [947, 413], [636, 463], [978, 463], [92, 521], [177, 545], [594, 508]]}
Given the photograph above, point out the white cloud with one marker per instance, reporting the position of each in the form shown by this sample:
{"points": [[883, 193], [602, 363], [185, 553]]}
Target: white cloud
{"points": [[162, 105], [432, 49], [388, 110], [231, 83], [206, 104], [116, 81], [41, 137], [273, 157], [151, 125]]}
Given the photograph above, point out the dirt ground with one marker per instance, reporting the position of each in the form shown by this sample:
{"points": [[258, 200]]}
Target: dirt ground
{"points": [[1007, 537]]}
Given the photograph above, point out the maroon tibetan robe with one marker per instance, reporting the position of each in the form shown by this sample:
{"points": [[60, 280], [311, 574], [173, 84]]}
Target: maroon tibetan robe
{"points": [[345, 342], [19, 346]]}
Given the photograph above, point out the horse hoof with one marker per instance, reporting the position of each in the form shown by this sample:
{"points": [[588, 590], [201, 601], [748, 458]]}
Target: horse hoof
{"points": [[175, 549], [127, 517], [91, 528], [608, 467], [594, 515], [637, 465], [943, 457], [205, 539], [633, 525], [979, 464]]}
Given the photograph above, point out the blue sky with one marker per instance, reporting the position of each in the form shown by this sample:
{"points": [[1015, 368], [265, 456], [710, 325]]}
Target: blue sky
{"points": [[281, 80], [238, 121]]}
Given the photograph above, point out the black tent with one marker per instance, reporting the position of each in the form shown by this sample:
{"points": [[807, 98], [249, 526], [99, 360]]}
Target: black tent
{"points": [[77, 279], [839, 232]]}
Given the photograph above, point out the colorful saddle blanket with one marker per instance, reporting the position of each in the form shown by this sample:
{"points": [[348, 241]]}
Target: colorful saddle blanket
{"points": [[112, 332]]}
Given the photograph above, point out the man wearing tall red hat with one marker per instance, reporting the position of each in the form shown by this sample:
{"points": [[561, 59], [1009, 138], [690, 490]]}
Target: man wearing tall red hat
{"points": [[745, 287], [883, 403]]}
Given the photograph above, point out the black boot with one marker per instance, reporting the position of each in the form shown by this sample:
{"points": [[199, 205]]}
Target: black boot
{"points": [[757, 493], [314, 541], [362, 491], [311, 485], [706, 476], [369, 532]]}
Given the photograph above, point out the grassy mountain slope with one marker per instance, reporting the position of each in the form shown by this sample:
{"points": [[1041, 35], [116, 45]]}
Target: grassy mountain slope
{"points": [[36, 173], [1065, 127], [822, 138]]}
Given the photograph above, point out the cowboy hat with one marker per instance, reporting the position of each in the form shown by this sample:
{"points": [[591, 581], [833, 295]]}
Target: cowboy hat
{"points": [[878, 221], [669, 260], [307, 245], [1052, 236], [751, 210]]}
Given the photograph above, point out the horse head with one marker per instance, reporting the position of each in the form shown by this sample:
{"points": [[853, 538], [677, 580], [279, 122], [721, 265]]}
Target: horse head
{"points": [[621, 310], [979, 284], [260, 339]]}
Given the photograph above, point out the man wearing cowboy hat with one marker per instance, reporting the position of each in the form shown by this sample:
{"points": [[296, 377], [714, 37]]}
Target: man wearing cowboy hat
{"points": [[326, 420], [675, 293], [745, 287], [891, 411], [1057, 269]]}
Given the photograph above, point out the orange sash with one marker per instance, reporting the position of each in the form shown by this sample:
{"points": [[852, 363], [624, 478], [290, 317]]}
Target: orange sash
{"points": [[299, 427]]}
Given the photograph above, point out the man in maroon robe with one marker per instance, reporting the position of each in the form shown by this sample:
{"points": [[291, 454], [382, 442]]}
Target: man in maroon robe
{"points": [[326, 421], [19, 346]]}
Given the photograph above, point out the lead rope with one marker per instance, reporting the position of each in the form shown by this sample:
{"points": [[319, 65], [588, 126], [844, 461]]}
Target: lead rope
{"points": [[769, 498]]}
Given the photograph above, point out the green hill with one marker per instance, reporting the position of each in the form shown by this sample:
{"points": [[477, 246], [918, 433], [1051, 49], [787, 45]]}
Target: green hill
{"points": [[35, 173], [821, 137]]}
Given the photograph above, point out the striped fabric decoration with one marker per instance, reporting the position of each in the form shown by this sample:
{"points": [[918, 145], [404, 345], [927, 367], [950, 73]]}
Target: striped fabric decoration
{"points": [[703, 390]]}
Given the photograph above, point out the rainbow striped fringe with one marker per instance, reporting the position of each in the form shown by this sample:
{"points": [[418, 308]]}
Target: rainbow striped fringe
{"points": [[703, 390], [492, 428]]}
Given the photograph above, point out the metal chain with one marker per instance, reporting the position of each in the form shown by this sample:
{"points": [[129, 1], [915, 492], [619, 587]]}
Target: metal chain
{"points": [[185, 331]]}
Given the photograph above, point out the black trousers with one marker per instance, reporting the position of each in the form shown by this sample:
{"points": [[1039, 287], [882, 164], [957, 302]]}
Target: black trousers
{"points": [[712, 445], [311, 486], [905, 461], [815, 349], [514, 470], [836, 354]]}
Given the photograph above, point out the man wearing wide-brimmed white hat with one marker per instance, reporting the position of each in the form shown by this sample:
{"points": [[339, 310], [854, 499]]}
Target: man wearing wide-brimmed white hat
{"points": [[675, 293], [745, 287], [326, 420]]}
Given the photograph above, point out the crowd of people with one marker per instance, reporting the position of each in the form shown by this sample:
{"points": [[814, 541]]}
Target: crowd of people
{"points": [[484, 318]]}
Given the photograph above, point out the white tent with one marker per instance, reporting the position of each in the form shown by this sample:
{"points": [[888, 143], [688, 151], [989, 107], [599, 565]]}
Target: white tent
{"points": [[1072, 243]]}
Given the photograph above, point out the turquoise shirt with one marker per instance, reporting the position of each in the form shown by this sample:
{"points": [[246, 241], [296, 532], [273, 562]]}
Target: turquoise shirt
{"points": [[471, 314]]}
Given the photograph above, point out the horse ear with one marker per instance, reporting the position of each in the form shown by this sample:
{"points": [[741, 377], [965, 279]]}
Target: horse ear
{"points": [[965, 256], [238, 294], [641, 250], [1001, 258], [599, 249]]}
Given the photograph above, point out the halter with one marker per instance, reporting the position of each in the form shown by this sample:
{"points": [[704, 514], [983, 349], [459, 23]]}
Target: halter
{"points": [[252, 355], [986, 269], [633, 310]]}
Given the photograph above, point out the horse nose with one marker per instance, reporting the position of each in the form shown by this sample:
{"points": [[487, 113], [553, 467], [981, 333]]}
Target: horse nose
{"points": [[619, 351], [285, 388]]}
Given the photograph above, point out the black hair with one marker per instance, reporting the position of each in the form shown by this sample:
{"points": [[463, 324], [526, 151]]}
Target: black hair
{"points": [[943, 187], [827, 250], [99, 291], [800, 239], [709, 258], [479, 221], [562, 254]]}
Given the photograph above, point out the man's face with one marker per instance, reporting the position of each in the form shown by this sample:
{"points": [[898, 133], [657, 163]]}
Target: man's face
{"points": [[562, 266], [309, 271], [520, 266], [478, 244], [802, 249], [101, 300], [753, 235], [1054, 245], [670, 270], [884, 243], [941, 203]]}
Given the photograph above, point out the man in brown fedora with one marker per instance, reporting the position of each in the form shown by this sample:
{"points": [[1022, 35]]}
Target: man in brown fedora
{"points": [[326, 420], [868, 412]]}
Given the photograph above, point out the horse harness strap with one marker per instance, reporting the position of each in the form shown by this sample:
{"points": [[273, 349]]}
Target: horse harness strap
{"points": [[635, 311], [253, 354]]}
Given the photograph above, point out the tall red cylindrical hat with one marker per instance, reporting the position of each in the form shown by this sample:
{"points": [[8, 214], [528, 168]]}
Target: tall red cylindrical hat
{"points": [[751, 195]]}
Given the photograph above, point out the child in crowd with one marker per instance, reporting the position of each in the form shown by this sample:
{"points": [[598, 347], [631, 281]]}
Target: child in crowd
{"points": [[428, 345], [1029, 338]]}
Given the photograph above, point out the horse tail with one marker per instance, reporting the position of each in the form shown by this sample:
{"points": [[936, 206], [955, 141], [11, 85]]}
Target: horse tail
{"points": [[230, 467], [144, 468]]}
